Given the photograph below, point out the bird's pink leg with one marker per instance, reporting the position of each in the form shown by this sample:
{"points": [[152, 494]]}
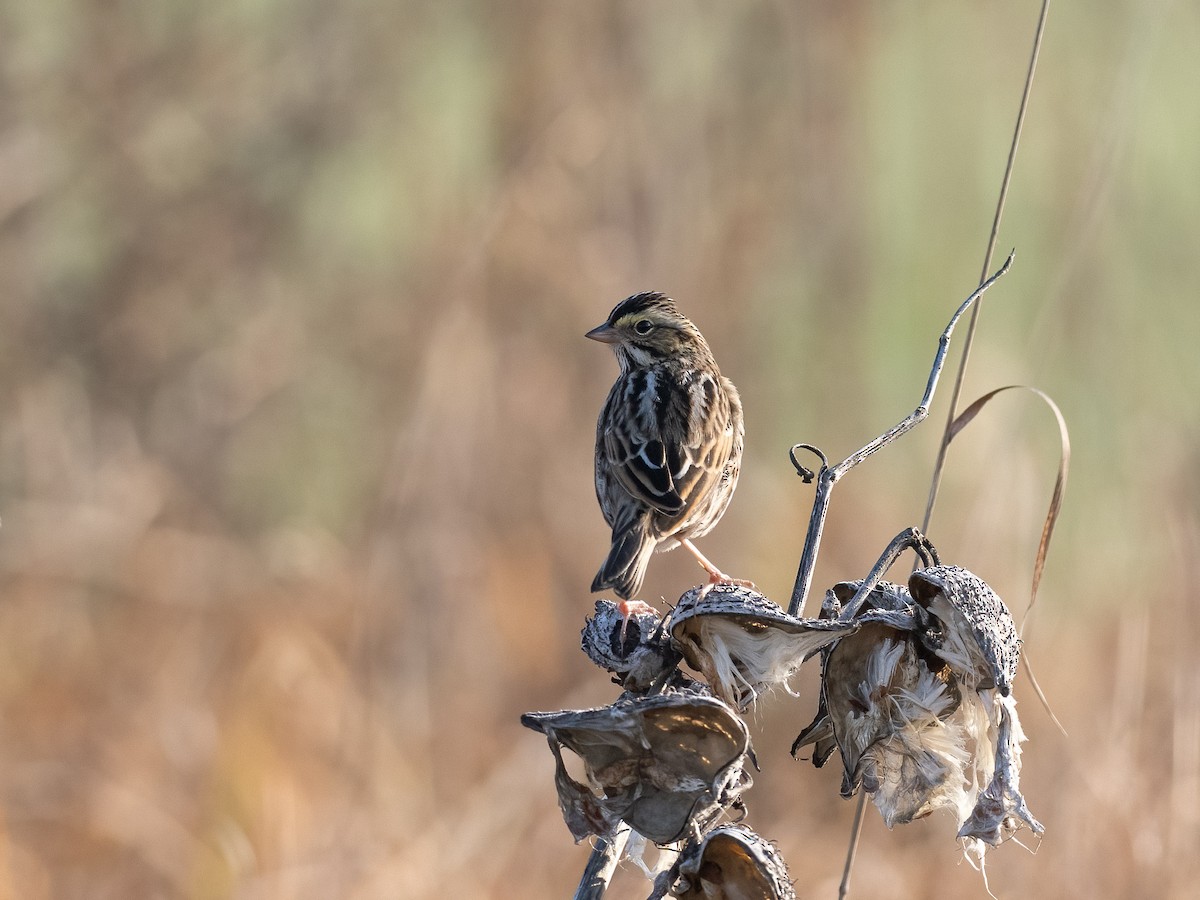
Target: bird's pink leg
{"points": [[715, 575]]}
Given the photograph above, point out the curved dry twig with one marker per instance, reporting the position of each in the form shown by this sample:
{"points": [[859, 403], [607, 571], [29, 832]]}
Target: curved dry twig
{"points": [[806, 474], [830, 475]]}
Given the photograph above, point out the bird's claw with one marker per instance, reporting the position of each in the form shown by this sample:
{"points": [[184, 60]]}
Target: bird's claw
{"points": [[630, 608], [717, 577]]}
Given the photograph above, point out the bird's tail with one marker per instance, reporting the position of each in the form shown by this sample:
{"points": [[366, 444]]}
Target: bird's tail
{"points": [[625, 568]]}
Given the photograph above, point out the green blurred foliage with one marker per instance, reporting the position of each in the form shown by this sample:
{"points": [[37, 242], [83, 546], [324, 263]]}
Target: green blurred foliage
{"points": [[296, 416]]}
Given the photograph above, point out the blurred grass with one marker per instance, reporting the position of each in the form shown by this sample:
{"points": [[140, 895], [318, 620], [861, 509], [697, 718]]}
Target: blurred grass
{"points": [[296, 417]]}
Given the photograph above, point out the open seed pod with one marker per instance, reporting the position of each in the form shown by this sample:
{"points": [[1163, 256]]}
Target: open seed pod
{"points": [[885, 604], [819, 733], [887, 708], [666, 764], [636, 651], [968, 626], [742, 643], [732, 863], [913, 702], [885, 705]]}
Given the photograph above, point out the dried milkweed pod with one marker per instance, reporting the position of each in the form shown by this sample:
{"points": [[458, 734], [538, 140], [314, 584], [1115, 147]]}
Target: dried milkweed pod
{"points": [[744, 644], [634, 648], [730, 863], [883, 604], [968, 626], [918, 702], [889, 715], [666, 764]]}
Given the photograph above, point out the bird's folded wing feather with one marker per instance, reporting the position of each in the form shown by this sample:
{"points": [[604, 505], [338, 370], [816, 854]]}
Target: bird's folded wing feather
{"points": [[668, 475]]}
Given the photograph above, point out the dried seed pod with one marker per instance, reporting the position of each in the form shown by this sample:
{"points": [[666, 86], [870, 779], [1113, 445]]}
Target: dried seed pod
{"points": [[885, 708], [744, 644], [666, 764], [819, 733], [888, 711], [915, 702], [886, 604], [635, 650], [732, 863], [968, 626]]}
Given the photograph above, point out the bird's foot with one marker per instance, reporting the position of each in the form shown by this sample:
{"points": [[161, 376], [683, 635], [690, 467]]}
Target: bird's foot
{"points": [[630, 608], [716, 576]]}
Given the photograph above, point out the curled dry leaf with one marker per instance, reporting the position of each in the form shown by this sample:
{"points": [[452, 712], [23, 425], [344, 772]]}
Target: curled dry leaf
{"points": [[1052, 513]]}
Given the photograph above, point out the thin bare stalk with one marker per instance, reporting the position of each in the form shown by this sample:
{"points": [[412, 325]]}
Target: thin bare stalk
{"points": [[909, 539], [828, 476], [601, 864], [852, 850], [940, 462]]}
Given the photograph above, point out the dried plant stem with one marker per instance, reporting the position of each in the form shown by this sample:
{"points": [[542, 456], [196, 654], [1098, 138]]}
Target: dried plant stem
{"points": [[940, 462], [601, 864], [829, 475], [852, 850]]}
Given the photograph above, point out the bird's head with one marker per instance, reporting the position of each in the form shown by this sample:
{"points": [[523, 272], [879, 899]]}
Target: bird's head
{"points": [[646, 329]]}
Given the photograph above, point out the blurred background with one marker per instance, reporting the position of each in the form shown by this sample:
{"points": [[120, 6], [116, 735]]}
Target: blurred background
{"points": [[296, 415]]}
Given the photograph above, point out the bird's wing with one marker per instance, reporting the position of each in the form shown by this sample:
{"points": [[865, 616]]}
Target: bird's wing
{"points": [[665, 452]]}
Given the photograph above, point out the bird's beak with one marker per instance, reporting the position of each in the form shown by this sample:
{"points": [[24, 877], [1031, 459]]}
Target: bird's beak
{"points": [[605, 334]]}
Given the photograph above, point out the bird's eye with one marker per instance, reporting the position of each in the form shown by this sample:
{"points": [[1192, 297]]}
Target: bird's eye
{"points": [[643, 326]]}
